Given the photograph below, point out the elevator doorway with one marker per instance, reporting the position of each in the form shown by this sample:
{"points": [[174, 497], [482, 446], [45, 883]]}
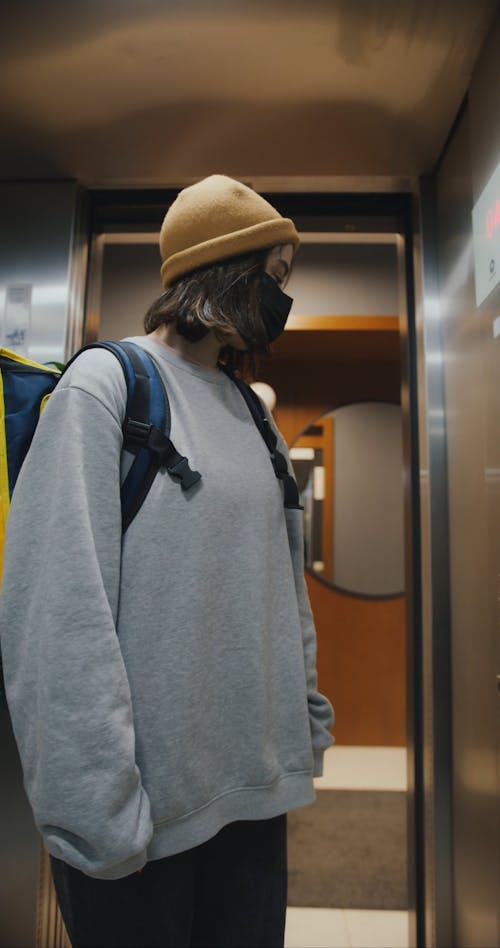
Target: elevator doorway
{"points": [[373, 358], [331, 357]]}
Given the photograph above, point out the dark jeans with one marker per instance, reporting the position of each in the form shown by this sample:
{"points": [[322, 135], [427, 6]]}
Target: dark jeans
{"points": [[230, 892]]}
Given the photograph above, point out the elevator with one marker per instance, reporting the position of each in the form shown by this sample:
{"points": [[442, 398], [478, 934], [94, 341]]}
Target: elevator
{"points": [[81, 169]]}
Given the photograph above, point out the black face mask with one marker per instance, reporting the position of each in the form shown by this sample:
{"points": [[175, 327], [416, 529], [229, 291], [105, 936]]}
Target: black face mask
{"points": [[274, 306]]}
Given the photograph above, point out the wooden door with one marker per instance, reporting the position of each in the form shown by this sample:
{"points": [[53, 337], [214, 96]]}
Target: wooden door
{"points": [[361, 642]]}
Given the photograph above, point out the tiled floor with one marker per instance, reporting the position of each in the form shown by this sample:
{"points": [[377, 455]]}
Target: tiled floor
{"points": [[360, 768], [345, 928], [364, 768]]}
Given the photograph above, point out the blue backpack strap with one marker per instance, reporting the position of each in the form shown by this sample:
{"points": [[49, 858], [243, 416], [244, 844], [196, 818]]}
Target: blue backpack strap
{"points": [[146, 428], [146, 434], [291, 497]]}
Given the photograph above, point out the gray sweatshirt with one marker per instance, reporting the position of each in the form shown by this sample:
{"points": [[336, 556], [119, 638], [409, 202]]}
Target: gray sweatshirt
{"points": [[161, 685]]}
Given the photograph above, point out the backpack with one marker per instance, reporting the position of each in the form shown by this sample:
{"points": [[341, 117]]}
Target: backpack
{"points": [[25, 387]]}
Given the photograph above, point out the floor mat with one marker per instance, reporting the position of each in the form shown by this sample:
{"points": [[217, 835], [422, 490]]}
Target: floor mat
{"points": [[349, 850]]}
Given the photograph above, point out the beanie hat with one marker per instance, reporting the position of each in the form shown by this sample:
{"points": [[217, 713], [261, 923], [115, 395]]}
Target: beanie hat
{"points": [[215, 219]]}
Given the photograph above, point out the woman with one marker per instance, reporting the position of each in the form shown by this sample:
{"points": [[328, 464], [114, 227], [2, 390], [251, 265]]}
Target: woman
{"points": [[163, 687]]}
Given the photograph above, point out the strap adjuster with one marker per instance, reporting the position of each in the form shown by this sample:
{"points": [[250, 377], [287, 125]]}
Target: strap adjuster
{"points": [[136, 433]]}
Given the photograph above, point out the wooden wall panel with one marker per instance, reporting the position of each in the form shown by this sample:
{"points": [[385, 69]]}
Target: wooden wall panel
{"points": [[361, 642], [306, 389], [361, 664]]}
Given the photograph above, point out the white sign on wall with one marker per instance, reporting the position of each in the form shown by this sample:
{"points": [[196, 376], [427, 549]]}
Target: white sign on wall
{"points": [[17, 317], [486, 236]]}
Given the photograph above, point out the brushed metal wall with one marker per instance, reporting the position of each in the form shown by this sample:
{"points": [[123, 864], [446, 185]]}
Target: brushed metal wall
{"points": [[471, 371], [41, 250], [42, 260], [471, 362]]}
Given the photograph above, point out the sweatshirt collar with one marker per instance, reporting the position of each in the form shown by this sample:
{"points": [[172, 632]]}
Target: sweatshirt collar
{"points": [[172, 357]]}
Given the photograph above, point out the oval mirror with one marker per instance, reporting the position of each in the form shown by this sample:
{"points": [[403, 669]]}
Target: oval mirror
{"points": [[349, 469]]}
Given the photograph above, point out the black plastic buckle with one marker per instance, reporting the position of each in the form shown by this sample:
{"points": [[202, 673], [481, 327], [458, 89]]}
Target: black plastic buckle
{"points": [[182, 471], [291, 491]]}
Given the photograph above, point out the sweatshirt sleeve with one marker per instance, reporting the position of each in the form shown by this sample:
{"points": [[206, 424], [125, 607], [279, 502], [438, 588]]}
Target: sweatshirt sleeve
{"points": [[321, 715], [66, 682]]}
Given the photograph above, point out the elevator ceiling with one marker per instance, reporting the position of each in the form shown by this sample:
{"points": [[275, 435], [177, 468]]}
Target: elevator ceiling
{"points": [[164, 91]]}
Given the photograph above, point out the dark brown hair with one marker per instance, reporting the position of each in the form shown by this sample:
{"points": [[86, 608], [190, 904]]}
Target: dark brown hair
{"points": [[222, 297]]}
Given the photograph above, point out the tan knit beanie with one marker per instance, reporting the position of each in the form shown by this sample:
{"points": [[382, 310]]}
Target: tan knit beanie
{"points": [[215, 219]]}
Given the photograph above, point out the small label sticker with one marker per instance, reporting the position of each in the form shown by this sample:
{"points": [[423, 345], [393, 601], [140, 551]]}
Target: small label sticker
{"points": [[17, 317]]}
